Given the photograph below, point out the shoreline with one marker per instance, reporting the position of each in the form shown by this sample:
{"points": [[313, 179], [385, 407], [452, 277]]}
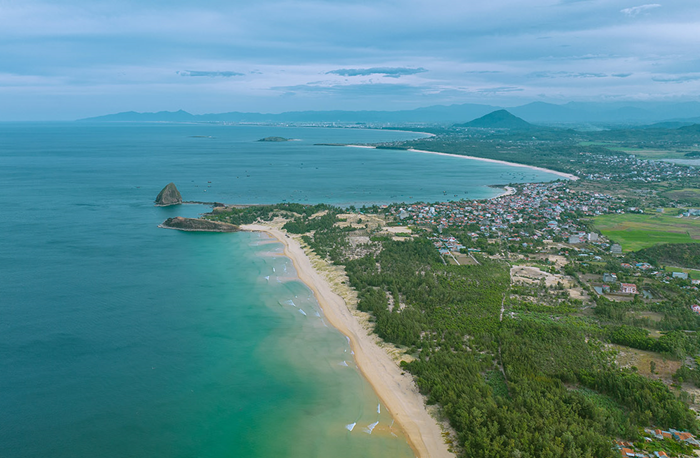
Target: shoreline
{"points": [[568, 176], [395, 388], [507, 191]]}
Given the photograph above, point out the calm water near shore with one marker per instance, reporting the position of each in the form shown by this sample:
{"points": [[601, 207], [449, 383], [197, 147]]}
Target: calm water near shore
{"points": [[121, 339]]}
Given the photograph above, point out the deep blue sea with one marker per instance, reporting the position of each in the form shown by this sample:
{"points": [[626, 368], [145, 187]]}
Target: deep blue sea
{"points": [[119, 339]]}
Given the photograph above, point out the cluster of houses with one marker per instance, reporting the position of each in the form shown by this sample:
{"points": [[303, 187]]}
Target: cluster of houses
{"points": [[680, 436], [540, 205], [446, 244], [630, 167], [640, 265], [611, 279], [627, 449]]}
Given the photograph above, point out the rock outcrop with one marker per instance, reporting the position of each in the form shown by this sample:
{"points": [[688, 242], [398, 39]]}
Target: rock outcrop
{"points": [[169, 195], [197, 225]]}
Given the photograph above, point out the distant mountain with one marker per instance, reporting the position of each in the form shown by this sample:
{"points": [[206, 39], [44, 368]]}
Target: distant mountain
{"points": [[695, 128], [433, 114], [499, 119], [629, 113], [665, 125], [172, 116]]}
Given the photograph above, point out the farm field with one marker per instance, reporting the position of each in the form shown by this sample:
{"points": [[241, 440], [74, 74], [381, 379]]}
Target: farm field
{"points": [[688, 195], [643, 153], [635, 232]]}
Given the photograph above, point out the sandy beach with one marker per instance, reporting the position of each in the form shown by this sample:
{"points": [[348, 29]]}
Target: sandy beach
{"points": [[396, 390], [507, 191], [568, 176]]}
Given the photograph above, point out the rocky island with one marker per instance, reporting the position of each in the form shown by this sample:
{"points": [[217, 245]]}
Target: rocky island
{"points": [[275, 139], [169, 195], [197, 225]]}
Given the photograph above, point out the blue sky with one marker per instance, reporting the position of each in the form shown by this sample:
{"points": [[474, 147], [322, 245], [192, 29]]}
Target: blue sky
{"points": [[66, 59]]}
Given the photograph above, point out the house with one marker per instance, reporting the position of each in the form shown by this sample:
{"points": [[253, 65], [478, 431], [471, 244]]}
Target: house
{"points": [[604, 289], [628, 288], [574, 239], [681, 275], [616, 248], [609, 278], [592, 237], [681, 436]]}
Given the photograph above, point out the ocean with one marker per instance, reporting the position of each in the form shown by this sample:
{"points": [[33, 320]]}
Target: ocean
{"points": [[120, 339]]}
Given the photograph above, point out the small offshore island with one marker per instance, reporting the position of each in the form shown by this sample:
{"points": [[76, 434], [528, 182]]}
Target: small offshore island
{"points": [[275, 139], [168, 196]]}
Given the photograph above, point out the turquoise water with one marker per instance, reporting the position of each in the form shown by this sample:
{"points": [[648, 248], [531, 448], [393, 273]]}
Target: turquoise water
{"points": [[121, 339]]}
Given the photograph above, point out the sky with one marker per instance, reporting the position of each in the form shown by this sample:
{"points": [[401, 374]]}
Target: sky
{"points": [[68, 59]]}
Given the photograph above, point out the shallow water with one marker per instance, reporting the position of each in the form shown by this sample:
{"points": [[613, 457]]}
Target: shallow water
{"points": [[121, 339]]}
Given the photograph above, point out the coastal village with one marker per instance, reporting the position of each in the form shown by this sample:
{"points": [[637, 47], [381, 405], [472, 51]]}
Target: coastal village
{"points": [[565, 271], [562, 266], [545, 231]]}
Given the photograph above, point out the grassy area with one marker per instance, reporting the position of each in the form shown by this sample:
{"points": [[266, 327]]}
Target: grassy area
{"points": [[635, 232], [693, 274], [643, 153], [688, 195], [651, 153]]}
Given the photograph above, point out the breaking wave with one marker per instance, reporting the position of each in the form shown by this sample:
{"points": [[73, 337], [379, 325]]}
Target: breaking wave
{"points": [[371, 427]]}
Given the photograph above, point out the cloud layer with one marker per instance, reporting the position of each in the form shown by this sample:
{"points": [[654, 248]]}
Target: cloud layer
{"points": [[391, 72], [78, 58]]}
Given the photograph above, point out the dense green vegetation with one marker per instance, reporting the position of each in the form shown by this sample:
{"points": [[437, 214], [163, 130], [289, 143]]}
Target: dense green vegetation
{"points": [[675, 254], [538, 383], [250, 214], [676, 343], [635, 232]]}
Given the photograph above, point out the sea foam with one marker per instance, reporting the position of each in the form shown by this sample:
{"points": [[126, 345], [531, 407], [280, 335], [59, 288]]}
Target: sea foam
{"points": [[371, 427]]}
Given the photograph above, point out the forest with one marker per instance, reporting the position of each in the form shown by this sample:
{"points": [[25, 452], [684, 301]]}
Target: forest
{"points": [[675, 254], [533, 381], [536, 384]]}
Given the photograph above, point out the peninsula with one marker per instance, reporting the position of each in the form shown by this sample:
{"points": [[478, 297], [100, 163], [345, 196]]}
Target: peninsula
{"points": [[197, 225]]}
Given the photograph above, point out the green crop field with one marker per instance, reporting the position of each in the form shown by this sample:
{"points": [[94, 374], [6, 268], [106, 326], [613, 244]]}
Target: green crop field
{"points": [[635, 232]]}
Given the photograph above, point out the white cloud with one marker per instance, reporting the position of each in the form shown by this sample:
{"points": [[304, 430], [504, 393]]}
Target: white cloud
{"points": [[637, 10]]}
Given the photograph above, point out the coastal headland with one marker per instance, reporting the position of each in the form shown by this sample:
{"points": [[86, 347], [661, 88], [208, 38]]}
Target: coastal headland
{"points": [[197, 225], [393, 386]]}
